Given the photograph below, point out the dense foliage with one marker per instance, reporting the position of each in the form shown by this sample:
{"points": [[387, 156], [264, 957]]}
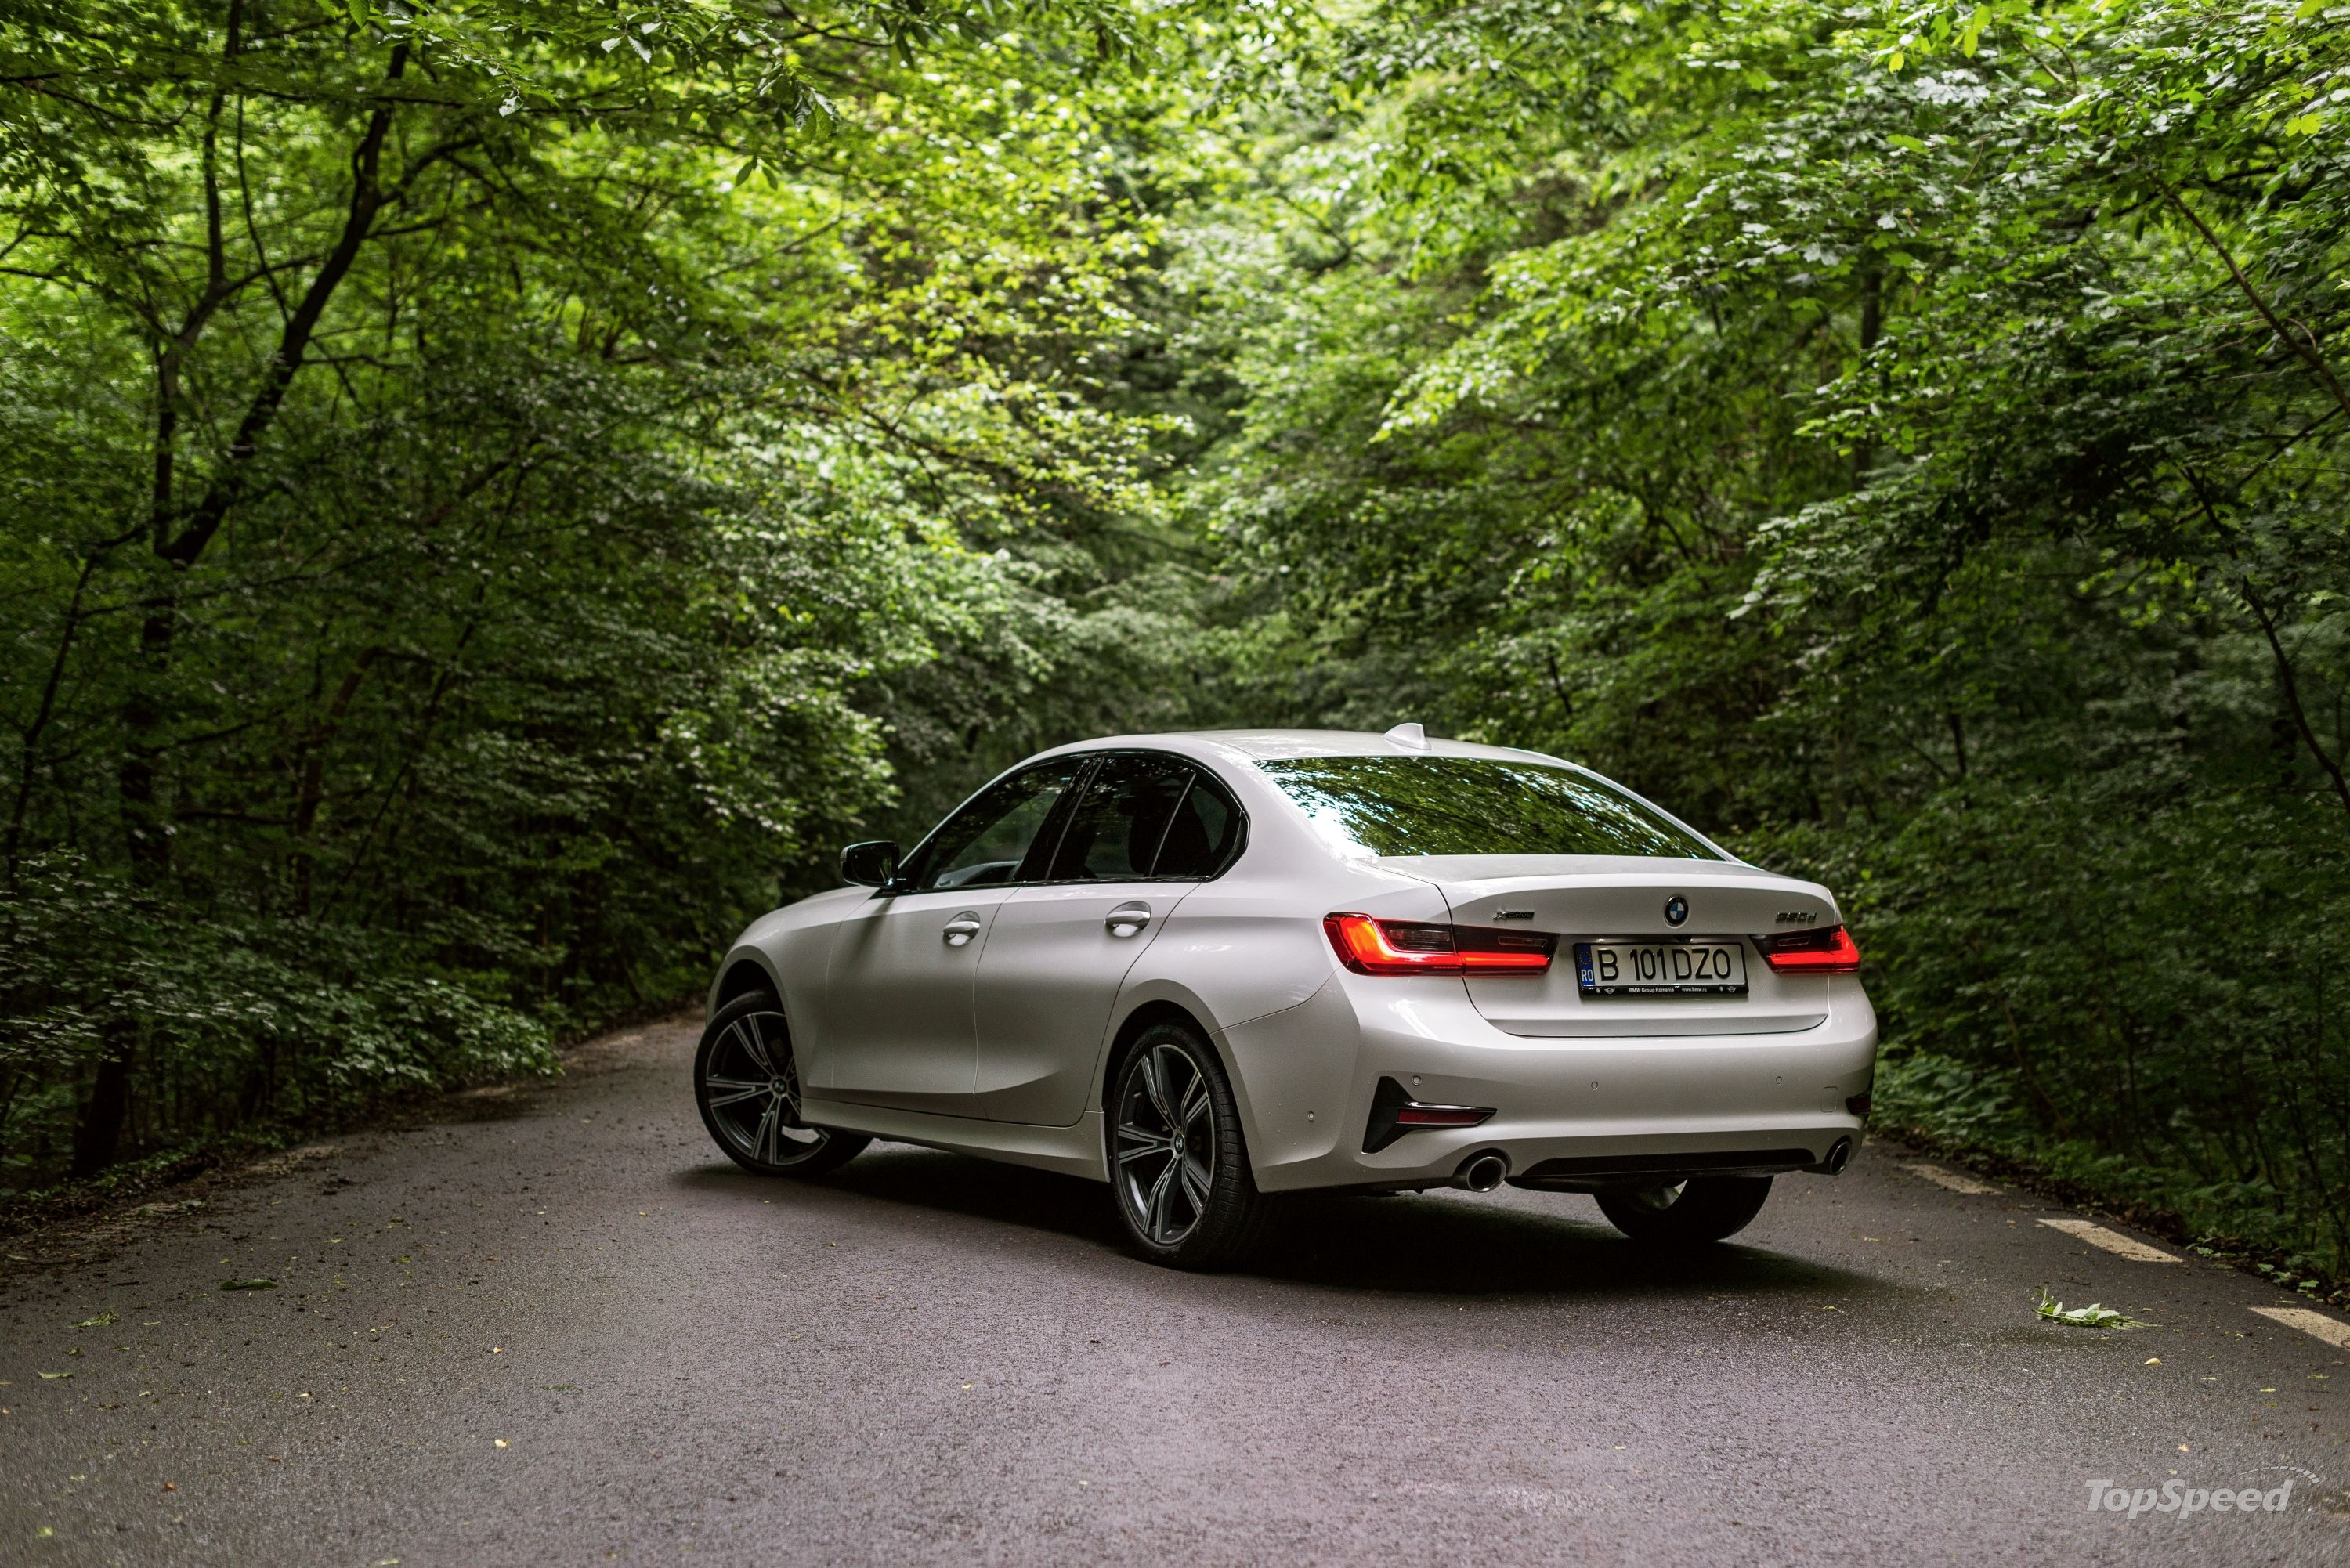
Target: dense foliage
{"points": [[493, 497], [462, 471], [1915, 446]]}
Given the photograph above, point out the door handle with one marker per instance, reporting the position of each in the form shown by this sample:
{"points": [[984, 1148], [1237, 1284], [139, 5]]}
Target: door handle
{"points": [[961, 929], [1127, 918]]}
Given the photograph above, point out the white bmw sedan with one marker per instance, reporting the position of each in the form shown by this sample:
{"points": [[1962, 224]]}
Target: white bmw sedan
{"points": [[1210, 968]]}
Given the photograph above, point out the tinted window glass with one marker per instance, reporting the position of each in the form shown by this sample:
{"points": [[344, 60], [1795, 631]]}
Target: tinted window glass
{"points": [[1200, 838], [1474, 806], [1115, 832], [986, 840]]}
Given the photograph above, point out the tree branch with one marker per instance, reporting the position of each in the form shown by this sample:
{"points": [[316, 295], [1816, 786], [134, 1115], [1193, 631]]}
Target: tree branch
{"points": [[368, 198], [2304, 347], [48, 708]]}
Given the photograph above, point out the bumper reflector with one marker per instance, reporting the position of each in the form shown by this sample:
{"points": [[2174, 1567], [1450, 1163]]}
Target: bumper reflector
{"points": [[1395, 1113]]}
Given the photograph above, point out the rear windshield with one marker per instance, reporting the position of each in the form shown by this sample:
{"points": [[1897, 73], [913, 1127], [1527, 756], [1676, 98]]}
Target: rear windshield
{"points": [[1474, 806]]}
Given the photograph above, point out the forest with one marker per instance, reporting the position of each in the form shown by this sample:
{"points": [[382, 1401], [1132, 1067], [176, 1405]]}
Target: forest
{"points": [[493, 495]]}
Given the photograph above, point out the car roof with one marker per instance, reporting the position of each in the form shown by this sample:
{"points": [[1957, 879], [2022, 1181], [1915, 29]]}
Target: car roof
{"points": [[1269, 745]]}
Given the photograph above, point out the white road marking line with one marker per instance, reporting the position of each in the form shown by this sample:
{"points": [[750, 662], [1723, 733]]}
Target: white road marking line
{"points": [[2332, 1330], [2111, 1241], [1949, 1179]]}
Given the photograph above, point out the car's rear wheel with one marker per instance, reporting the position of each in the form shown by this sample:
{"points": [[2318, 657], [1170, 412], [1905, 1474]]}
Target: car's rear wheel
{"points": [[1683, 1214], [747, 1082], [1178, 1164]]}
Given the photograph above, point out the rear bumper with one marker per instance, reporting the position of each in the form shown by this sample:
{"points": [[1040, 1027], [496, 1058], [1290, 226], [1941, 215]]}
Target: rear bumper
{"points": [[1306, 1077]]}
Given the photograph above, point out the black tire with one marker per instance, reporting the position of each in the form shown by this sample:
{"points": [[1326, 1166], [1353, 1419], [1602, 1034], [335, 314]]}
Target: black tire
{"points": [[1686, 1213], [747, 1085], [1171, 1099]]}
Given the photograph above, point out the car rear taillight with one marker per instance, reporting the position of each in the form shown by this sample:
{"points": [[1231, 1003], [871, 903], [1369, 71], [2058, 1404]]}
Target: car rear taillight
{"points": [[1414, 947], [1830, 952]]}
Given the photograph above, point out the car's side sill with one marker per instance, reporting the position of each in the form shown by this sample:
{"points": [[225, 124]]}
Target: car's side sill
{"points": [[1074, 1150]]}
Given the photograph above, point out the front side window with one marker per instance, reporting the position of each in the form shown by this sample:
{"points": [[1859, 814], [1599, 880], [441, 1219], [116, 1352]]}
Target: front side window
{"points": [[1474, 806], [986, 841]]}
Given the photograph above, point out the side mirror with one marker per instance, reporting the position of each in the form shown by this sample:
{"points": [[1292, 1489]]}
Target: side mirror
{"points": [[872, 864]]}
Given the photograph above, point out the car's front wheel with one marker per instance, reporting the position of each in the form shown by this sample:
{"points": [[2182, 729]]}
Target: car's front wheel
{"points": [[1176, 1161], [747, 1082], [1682, 1213]]}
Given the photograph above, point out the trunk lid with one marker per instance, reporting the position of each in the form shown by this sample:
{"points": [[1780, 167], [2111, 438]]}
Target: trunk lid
{"points": [[1582, 899]]}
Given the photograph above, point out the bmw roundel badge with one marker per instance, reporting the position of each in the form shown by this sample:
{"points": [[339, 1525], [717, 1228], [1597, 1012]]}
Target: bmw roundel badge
{"points": [[1676, 909]]}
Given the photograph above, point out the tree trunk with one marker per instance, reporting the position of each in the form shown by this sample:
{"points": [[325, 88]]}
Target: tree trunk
{"points": [[147, 835], [98, 1134]]}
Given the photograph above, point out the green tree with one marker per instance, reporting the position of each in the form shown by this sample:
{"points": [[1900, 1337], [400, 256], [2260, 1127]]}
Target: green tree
{"points": [[466, 472], [1911, 443]]}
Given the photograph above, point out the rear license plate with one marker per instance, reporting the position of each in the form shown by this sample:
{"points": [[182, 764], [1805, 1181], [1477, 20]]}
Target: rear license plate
{"points": [[1660, 968]]}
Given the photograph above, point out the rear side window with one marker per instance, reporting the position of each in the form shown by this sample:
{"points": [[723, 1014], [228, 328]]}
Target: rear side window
{"points": [[1200, 837], [1145, 816], [1474, 806]]}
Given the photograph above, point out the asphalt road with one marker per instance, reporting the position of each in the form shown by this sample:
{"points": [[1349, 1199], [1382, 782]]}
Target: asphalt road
{"points": [[556, 1327]]}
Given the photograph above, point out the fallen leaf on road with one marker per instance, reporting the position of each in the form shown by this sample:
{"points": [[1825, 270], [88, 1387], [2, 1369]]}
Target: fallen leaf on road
{"points": [[248, 1285], [2091, 1316], [101, 1321], [501, 1442], [170, 1486], [56, 1374]]}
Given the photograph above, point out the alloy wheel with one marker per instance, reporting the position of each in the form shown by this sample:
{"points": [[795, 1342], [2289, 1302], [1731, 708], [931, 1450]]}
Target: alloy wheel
{"points": [[1165, 1144], [752, 1091]]}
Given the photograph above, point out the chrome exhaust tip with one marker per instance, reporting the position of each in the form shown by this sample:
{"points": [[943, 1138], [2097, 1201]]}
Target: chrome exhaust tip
{"points": [[1839, 1158], [1482, 1172]]}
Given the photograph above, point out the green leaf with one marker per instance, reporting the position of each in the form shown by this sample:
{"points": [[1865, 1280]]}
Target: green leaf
{"points": [[1971, 34], [2093, 1315]]}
